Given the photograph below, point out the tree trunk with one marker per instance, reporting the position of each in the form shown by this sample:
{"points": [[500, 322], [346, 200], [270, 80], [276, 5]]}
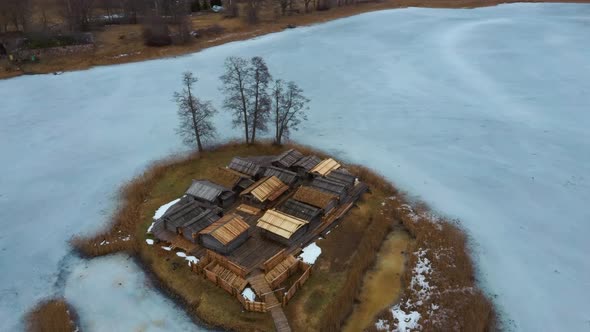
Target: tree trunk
{"points": [[244, 109], [195, 125], [254, 123]]}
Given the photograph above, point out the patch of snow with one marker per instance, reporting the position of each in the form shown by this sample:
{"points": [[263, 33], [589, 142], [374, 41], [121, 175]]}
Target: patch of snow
{"points": [[249, 294], [166, 248], [162, 209], [310, 253], [406, 321], [421, 271], [149, 230], [104, 243], [191, 260], [181, 254], [382, 325], [127, 238], [149, 241]]}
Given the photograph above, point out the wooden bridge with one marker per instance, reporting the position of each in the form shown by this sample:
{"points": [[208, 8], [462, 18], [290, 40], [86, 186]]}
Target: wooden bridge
{"points": [[263, 290]]}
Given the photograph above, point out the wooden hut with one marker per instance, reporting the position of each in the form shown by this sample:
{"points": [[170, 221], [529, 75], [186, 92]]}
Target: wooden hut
{"points": [[231, 179], [225, 235], [245, 166], [317, 198], [305, 164], [281, 227], [301, 210], [211, 193], [263, 191], [181, 212], [330, 186], [190, 230], [287, 158], [284, 175], [325, 167], [344, 176]]}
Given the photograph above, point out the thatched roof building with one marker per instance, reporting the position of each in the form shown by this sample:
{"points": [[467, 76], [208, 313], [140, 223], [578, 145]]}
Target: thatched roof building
{"points": [[282, 227], [287, 158], [211, 193], [301, 210], [226, 234], [245, 166], [317, 198], [266, 189], [330, 186], [284, 175], [231, 179], [325, 166]]}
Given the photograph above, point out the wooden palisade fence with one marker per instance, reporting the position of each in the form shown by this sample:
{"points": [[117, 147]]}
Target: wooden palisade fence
{"points": [[298, 284]]}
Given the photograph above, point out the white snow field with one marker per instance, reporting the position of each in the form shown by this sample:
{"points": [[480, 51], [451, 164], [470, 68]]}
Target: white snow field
{"points": [[483, 114]]}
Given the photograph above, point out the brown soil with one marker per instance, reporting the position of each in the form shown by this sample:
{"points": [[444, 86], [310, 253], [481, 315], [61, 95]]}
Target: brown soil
{"points": [[51, 315], [123, 43]]}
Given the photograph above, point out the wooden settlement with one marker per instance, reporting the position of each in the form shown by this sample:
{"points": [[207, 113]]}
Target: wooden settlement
{"points": [[248, 220]]}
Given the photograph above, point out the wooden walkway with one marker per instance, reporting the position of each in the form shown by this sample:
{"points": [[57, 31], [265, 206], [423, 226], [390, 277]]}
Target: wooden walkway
{"points": [[262, 289]]}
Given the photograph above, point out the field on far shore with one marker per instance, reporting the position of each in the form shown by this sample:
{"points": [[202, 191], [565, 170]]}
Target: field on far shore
{"points": [[117, 44]]}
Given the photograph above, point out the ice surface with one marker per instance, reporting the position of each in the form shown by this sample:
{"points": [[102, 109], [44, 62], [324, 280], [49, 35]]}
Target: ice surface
{"points": [[483, 113], [248, 294], [310, 253], [113, 294]]}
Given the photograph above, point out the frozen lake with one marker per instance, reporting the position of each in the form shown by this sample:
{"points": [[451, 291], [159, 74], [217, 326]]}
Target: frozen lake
{"points": [[483, 113]]}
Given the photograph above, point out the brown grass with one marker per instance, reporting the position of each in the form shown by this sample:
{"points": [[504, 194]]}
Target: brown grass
{"points": [[50, 316], [115, 41]]}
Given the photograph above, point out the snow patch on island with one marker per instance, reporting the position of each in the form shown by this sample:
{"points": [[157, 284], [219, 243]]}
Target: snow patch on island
{"points": [[181, 254], [149, 242], [191, 260], [310, 253], [162, 209], [248, 294]]}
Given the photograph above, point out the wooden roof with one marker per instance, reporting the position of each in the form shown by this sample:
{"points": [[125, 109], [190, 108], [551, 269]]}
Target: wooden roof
{"points": [[313, 197], [329, 186], [299, 210], [227, 177], [201, 221], [308, 162], [244, 166], [280, 223], [267, 188], [284, 175], [206, 190], [288, 158], [342, 175], [227, 228], [325, 166]]}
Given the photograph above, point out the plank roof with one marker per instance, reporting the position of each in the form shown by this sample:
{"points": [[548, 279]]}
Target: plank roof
{"points": [[284, 175], [299, 210], [201, 221], [227, 228], [226, 177], [329, 186], [325, 166], [342, 175], [288, 158], [313, 197], [182, 212], [280, 223], [244, 166], [267, 188], [308, 162], [206, 190]]}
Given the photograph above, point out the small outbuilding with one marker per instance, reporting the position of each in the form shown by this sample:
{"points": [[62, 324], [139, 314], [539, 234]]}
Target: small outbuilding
{"points": [[211, 193], [225, 235], [344, 176], [181, 212], [330, 186], [305, 164], [301, 210], [284, 175], [263, 191], [287, 158], [245, 166], [314, 197], [231, 179], [325, 167], [281, 227], [190, 230]]}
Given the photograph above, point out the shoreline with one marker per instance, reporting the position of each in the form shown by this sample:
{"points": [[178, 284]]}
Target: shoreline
{"points": [[79, 62]]}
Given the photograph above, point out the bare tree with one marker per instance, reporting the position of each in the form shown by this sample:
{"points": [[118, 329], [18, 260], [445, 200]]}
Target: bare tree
{"points": [[78, 13], [195, 115], [235, 83], [306, 3], [257, 93], [289, 108], [16, 12]]}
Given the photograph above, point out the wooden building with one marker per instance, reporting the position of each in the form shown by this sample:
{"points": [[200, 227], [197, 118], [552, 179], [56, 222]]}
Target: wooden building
{"points": [[225, 235], [286, 176], [231, 179], [344, 176], [325, 167], [281, 227], [301, 210], [317, 198], [190, 230], [264, 191], [246, 166], [330, 186], [305, 164], [287, 158], [211, 193]]}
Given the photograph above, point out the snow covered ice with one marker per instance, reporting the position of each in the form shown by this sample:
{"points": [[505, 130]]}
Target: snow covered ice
{"points": [[482, 113], [310, 253]]}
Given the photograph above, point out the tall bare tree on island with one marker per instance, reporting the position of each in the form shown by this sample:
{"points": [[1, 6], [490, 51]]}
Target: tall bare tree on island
{"points": [[195, 115], [257, 93], [235, 85], [289, 107]]}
